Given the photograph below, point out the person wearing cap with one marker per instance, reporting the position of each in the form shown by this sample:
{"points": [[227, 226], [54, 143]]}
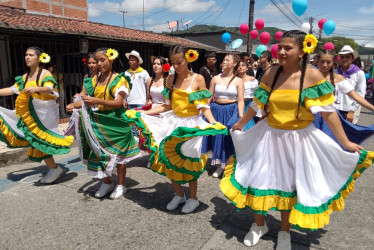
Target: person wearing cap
{"points": [[349, 108], [139, 76]]}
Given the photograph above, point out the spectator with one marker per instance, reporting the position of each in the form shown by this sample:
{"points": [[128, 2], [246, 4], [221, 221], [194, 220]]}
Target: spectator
{"points": [[264, 61], [209, 70], [246, 57]]}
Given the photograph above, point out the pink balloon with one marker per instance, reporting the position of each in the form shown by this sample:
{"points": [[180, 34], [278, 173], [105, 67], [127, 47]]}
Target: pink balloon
{"points": [[259, 24], [329, 46], [321, 23], [278, 35], [264, 37], [274, 51], [254, 34], [244, 28]]}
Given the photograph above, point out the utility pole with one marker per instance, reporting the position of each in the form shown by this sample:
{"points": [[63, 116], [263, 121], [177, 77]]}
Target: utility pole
{"points": [[311, 20], [123, 15], [250, 24], [143, 15]]}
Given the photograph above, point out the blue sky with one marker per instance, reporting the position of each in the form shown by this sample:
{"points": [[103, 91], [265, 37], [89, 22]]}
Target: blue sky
{"points": [[353, 18]]}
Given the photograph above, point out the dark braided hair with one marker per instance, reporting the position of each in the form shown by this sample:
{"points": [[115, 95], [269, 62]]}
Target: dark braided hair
{"points": [[299, 36], [235, 70], [165, 75], [38, 52], [331, 71]]}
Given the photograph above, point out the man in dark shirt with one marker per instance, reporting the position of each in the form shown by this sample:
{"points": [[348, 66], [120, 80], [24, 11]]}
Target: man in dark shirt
{"points": [[246, 57], [264, 61], [209, 70]]}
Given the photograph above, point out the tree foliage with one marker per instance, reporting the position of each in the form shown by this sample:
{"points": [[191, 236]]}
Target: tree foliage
{"points": [[339, 42]]}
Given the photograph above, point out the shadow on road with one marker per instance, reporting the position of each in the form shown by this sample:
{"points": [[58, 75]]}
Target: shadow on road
{"points": [[237, 223]]}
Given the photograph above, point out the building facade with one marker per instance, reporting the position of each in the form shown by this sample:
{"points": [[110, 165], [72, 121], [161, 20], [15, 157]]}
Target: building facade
{"points": [[61, 8]]}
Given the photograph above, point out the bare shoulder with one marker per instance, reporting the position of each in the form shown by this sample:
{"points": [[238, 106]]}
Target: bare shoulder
{"points": [[45, 73], [169, 80], [200, 82], [312, 76], [338, 78], [269, 75]]}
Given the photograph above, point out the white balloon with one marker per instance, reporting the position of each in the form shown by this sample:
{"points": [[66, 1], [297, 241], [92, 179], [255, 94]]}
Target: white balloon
{"points": [[305, 27]]}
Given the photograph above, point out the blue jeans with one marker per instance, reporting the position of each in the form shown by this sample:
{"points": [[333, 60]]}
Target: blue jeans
{"points": [[133, 106]]}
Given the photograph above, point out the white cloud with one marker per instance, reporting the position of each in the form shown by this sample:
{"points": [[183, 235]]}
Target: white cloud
{"points": [[133, 8], [365, 10]]}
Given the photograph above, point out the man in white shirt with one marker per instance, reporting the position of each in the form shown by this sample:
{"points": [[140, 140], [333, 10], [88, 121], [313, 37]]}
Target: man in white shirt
{"points": [[349, 108], [139, 77]]}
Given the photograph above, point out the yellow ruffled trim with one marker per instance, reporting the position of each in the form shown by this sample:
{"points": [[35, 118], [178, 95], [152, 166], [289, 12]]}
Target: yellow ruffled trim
{"points": [[35, 153], [260, 105], [264, 86], [317, 221], [10, 138], [320, 101], [22, 109], [262, 203]]}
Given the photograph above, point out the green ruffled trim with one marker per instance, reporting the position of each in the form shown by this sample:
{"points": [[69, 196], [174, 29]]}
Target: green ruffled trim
{"points": [[87, 82], [199, 95], [2, 137], [49, 79], [258, 192], [21, 83], [35, 141], [317, 91], [36, 159], [261, 94], [166, 92], [184, 132]]}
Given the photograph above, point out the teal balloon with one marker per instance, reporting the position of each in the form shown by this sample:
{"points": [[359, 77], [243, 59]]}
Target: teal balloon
{"points": [[299, 6], [261, 48], [367, 76], [329, 27], [226, 37]]}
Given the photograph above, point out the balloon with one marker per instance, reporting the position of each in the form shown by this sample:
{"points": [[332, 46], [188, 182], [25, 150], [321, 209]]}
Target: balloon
{"points": [[278, 35], [367, 76], [329, 46], [299, 6], [321, 23], [254, 34], [259, 24], [226, 37], [329, 27], [244, 28], [305, 27], [264, 37], [260, 49], [274, 51]]}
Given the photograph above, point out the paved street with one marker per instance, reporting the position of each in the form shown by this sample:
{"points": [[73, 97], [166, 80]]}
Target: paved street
{"points": [[67, 216]]}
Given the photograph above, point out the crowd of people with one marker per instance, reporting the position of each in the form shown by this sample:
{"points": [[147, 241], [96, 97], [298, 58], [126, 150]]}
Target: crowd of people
{"points": [[278, 131]]}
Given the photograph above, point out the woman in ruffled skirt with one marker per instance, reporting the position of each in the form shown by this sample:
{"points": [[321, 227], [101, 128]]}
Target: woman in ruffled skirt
{"points": [[34, 122], [103, 136], [284, 163], [175, 139], [355, 133]]}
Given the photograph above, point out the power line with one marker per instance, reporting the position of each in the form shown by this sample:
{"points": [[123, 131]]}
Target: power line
{"points": [[213, 12], [275, 4], [241, 11], [165, 9], [221, 11]]}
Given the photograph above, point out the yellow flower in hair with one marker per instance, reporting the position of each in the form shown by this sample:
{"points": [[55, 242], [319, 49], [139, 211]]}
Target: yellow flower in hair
{"points": [[44, 58], [310, 43], [112, 54], [191, 55]]}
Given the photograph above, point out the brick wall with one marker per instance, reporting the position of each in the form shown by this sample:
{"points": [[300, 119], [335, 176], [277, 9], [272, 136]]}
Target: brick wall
{"points": [[66, 8]]}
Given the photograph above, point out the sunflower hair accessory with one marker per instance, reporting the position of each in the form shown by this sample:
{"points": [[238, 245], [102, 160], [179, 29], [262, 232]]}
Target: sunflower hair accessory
{"points": [[112, 54], [191, 55], [44, 58], [310, 43]]}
